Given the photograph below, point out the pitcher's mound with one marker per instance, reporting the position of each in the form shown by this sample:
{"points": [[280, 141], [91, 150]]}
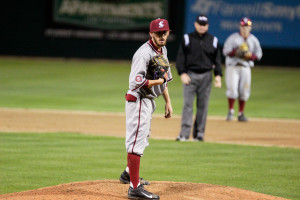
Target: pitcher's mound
{"points": [[111, 189]]}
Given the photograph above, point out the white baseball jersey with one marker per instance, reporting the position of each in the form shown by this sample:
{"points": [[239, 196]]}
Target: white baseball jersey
{"points": [[238, 71], [139, 66], [141, 105], [234, 41]]}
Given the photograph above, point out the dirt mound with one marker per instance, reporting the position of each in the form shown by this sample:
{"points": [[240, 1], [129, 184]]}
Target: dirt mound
{"points": [[111, 189]]}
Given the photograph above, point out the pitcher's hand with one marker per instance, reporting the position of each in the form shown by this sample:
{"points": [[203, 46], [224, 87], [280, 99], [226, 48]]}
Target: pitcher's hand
{"points": [[168, 110]]}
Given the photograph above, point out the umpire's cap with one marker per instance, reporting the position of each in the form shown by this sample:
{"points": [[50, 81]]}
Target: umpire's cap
{"points": [[202, 19], [245, 21], [159, 25]]}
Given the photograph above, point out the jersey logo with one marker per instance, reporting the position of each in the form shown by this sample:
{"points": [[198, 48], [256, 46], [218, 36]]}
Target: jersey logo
{"points": [[161, 24], [138, 78]]}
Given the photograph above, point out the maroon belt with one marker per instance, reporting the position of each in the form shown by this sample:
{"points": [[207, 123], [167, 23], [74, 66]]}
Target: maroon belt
{"points": [[130, 98]]}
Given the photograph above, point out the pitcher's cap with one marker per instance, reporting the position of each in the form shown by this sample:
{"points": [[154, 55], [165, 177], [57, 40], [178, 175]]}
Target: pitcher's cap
{"points": [[159, 25], [245, 21], [202, 19]]}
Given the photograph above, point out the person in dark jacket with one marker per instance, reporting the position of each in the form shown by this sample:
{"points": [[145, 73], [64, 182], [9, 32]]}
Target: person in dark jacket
{"points": [[198, 54]]}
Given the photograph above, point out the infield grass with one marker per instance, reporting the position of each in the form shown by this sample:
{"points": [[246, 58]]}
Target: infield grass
{"points": [[30, 161], [101, 86]]}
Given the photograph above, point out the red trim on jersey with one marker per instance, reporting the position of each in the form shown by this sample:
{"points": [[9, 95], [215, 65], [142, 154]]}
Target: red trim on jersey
{"points": [[146, 84], [141, 85], [253, 57], [152, 45], [170, 80], [138, 127], [232, 53]]}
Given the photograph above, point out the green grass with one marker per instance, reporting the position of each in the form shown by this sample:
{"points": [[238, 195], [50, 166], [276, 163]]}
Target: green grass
{"points": [[63, 84], [101, 86], [29, 161]]}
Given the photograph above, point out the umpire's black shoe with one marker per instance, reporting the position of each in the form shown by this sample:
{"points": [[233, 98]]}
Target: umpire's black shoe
{"points": [[199, 139], [125, 178], [140, 193], [242, 118]]}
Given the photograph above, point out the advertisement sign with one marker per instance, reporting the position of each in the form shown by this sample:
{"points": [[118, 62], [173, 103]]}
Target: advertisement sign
{"points": [[114, 14], [276, 23], [123, 20]]}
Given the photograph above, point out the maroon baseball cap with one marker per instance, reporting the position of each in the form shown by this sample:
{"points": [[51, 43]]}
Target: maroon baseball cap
{"points": [[245, 21], [159, 25]]}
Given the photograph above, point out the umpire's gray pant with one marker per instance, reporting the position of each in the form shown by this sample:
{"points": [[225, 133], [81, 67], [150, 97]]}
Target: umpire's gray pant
{"points": [[200, 85]]}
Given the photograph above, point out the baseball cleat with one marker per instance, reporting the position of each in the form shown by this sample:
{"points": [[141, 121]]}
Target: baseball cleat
{"points": [[242, 118], [125, 179], [229, 116], [140, 193]]}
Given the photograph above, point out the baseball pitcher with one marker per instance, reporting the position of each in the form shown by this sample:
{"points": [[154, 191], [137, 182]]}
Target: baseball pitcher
{"points": [[241, 50], [150, 73]]}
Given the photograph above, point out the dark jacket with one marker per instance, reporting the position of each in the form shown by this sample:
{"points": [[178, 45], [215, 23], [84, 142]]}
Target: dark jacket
{"points": [[199, 54]]}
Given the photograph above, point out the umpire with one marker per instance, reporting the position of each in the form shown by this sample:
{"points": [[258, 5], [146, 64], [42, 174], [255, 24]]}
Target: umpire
{"points": [[198, 54]]}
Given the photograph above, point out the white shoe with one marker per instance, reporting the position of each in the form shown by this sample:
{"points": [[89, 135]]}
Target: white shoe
{"points": [[181, 139]]}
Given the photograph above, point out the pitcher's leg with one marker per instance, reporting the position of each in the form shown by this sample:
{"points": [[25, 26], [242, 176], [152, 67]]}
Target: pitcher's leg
{"points": [[138, 119]]}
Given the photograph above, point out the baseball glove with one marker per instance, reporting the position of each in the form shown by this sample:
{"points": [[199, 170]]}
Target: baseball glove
{"points": [[158, 68], [242, 50]]}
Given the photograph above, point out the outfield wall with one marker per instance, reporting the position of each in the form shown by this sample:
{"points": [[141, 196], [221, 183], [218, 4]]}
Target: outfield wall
{"points": [[50, 28]]}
